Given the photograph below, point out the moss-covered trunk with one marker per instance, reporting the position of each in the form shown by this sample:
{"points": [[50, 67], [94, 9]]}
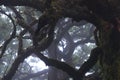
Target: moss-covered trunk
{"points": [[109, 41]]}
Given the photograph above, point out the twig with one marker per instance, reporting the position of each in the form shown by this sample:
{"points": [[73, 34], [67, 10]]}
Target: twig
{"points": [[12, 35]]}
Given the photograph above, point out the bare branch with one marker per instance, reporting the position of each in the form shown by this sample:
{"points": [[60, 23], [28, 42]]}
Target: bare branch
{"points": [[58, 64], [12, 35], [17, 62], [16, 12], [37, 4], [22, 23], [20, 47], [94, 56]]}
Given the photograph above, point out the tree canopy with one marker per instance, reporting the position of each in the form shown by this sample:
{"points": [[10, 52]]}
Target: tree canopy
{"points": [[99, 17]]}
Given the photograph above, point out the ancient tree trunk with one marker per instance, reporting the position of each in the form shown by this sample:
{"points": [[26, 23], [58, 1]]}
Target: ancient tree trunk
{"points": [[109, 38]]}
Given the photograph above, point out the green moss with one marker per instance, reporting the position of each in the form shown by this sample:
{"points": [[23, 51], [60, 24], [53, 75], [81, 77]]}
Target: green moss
{"points": [[111, 58]]}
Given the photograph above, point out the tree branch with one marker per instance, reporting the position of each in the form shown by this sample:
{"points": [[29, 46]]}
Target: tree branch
{"points": [[94, 56], [75, 74], [58, 64], [17, 62], [12, 35], [37, 4]]}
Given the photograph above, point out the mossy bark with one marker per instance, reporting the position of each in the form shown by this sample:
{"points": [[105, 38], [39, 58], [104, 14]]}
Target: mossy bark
{"points": [[109, 40]]}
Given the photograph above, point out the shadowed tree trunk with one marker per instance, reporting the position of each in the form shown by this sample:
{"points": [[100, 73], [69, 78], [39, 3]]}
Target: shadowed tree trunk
{"points": [[110, 43]]}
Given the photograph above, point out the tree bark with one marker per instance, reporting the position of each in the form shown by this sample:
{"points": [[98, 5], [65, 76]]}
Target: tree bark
{"points": [[110, 61]]}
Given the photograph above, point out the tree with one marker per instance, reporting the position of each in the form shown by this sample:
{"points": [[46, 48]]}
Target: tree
{"points": [[104, 14]]}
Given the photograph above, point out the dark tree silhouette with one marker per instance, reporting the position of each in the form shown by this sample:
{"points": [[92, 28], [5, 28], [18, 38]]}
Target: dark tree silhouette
{"points": [[104, 14]]}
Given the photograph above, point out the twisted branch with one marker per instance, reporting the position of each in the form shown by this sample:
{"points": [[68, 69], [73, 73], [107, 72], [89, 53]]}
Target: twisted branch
{"points": [[12, 35]]}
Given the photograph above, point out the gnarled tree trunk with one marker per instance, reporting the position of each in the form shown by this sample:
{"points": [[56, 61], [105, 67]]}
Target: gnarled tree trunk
{"points": [[109, 40]]}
